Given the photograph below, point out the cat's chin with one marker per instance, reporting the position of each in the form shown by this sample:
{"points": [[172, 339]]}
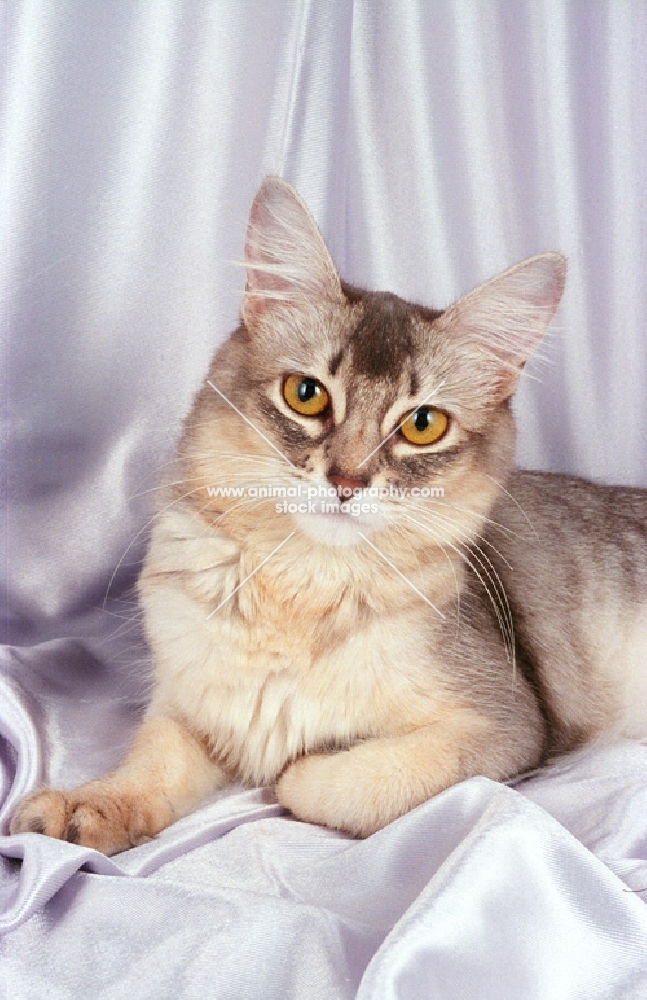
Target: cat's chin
{"points": [[336, 530]]}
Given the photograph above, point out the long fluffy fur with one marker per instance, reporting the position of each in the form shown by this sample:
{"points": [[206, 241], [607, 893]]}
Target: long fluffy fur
{"points": [[364, 665]]}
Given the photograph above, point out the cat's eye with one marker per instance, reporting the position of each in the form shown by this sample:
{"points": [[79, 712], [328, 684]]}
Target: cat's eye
{"points": [[425, 425], [305, 395]]}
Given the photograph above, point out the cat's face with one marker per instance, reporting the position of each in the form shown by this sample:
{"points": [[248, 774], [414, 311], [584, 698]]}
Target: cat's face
{"points": [[401, 411]]}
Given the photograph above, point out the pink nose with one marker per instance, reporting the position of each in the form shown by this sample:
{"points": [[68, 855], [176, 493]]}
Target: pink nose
{"points": [[342, 483]]}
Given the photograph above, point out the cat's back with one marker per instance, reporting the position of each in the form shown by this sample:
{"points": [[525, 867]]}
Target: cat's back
{"points": [[573, 559], [588, 509]]}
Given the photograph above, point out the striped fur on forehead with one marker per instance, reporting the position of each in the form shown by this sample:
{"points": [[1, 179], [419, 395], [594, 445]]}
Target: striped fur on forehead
{"points": [[382, 341], [308, 337]]}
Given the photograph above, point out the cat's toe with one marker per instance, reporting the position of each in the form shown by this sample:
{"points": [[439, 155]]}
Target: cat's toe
{"points": [[289, 787], [300, 789], [99, 822], [327, 789], [43, 812], [90, 820]]}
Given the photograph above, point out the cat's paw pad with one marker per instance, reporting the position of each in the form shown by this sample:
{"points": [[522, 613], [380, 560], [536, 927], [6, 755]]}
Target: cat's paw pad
{"points": [[94, 820]]}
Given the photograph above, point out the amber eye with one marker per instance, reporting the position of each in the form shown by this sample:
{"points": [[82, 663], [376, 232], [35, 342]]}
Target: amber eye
{"points": [[305, 395], [425, 425]]}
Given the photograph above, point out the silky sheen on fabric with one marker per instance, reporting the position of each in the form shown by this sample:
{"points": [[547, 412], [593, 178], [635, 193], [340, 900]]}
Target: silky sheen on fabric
{"points": [[436, 144]]}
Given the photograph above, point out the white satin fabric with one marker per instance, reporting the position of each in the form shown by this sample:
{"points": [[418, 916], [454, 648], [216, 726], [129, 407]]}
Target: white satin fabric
{"points": [[436, 144]]}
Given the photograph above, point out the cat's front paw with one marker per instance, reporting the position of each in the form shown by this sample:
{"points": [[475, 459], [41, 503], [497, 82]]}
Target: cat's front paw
{"points": [[89, 817], [43, 812], [322, 789]]}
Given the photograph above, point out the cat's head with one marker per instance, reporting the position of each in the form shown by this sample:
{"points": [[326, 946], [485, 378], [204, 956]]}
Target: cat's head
{"points": [[326, 387]]}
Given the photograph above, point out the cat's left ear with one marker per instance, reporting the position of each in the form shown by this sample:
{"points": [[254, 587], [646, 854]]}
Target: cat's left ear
{"points": [[285, 255], [506, 317]]}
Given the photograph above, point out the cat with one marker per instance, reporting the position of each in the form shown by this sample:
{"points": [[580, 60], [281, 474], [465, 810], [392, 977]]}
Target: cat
{"points": [[349, 592]]}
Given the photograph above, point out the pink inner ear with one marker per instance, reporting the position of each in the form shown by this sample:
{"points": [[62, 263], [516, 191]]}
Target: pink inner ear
{"points": [[539, 281], [262, 248], [505, 318], [285, 255], [508, 315]]}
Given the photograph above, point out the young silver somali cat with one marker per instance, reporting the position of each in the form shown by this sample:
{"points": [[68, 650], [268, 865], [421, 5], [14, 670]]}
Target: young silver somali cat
{"points": [[455, 618]]}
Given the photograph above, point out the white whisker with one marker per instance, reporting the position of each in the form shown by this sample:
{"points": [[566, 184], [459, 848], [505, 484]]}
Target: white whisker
{"points": [[503, 613]]}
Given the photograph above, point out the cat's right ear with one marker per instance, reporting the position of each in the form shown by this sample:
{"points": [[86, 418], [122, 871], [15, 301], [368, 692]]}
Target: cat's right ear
{"points": [[285, 256]]}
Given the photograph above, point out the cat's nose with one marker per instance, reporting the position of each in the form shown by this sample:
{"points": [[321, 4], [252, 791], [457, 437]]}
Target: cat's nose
{"points": [[344, 483]]}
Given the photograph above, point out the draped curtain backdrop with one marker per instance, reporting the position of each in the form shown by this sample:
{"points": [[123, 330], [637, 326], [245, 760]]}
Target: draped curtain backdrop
{"points": [[437, 142]]}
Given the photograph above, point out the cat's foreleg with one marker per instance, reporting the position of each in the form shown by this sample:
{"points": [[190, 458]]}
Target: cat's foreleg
{"points": [[362, 789], [165, 775]]}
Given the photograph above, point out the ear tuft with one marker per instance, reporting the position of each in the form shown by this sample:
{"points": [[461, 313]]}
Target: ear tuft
{"points": [[285, 255]]}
